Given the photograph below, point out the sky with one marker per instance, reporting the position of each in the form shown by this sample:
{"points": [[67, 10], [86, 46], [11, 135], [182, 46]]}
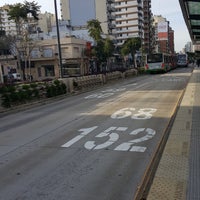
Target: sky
{"points": [[170, 9]]}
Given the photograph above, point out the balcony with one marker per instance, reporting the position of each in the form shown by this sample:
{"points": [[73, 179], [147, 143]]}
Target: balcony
{"points": [[123, 5], [111, 26], [111, 8], [111, 17]]}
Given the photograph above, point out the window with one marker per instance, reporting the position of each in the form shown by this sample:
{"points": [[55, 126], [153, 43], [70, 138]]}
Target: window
{"points": [[48, 53], [153, 58], [76, 49], [39, 72], [49, 70]]}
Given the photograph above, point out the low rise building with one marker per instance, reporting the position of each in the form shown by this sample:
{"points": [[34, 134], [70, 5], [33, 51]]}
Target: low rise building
{"points": [[44, 58]]}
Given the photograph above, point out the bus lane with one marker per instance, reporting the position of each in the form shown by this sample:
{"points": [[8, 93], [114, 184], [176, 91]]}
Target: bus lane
{"points": [[98, 145], [124, 141]]}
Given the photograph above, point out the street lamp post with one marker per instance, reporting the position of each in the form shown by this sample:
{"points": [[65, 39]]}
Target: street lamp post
{"points": [[58, 36]]}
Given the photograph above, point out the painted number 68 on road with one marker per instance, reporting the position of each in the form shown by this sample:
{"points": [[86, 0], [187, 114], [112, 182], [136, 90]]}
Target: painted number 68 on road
{"points": [[133, 113]]}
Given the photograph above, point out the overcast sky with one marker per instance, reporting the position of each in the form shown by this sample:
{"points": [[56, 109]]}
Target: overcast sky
{"points": [[170, 9]]}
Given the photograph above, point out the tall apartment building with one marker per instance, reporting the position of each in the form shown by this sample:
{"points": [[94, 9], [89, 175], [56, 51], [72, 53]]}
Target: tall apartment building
{"points": [[104, 13], [65, 10], [171, 41], [129, 20], [2, 31], [189, 47], [122, 19], [164, 35], [44, 24], [9, 26], [149, 41]]}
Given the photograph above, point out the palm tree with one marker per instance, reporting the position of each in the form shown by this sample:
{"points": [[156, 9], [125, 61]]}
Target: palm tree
{"points": [[130, 47], [103, 48], [94, 29]]}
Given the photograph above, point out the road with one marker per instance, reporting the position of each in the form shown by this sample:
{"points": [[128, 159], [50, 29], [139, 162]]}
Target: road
{"points": [[92, 146]]}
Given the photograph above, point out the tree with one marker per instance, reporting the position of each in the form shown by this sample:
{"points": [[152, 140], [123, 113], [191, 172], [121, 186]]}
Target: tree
{"points": [[130, 47], [22, 44], [108, 47], [33, 8], [103, 48], [19, 13], [94, 29]]}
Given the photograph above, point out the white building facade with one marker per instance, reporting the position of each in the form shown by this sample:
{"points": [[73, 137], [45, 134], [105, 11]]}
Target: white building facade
{"points": [[9, 26], [128, 19]]}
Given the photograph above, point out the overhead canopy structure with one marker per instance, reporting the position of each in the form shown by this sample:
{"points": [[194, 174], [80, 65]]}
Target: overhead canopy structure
{"points": [[191, 14]]}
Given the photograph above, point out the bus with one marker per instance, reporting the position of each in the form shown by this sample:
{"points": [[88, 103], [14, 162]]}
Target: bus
{"points": [[173, 61], [182, 60], [158, 62]]}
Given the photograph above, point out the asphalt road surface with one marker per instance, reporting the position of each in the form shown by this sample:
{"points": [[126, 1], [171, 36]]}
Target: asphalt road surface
{"points": [[92, 146]]}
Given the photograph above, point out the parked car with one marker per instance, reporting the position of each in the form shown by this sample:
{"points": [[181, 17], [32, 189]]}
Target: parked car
{"points": [[11, 78], [16, 76]]}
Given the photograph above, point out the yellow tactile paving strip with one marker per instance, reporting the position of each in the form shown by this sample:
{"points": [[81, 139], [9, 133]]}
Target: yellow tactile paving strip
{"points": [[170, 181]]}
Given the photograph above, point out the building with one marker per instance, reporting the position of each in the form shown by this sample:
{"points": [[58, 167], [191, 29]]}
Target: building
{"points": [[42, 61], [77, 12], [189, 47], [171, 41], [9, 26], [104, 13], [7, 64], [164, 35], [65, 10], [77, 16], [129, 20], [120, 18], [45, 60], [149, 40], [40, 57], [45, 22]]}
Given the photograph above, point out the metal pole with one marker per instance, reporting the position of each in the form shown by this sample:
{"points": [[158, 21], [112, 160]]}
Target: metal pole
{"points": [[58, 36]]}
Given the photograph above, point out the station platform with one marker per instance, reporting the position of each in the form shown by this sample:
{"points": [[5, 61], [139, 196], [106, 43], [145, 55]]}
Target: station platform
{"points": [[178, 174]]}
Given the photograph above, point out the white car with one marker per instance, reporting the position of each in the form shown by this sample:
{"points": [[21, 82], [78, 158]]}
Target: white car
{"points": [[16, 76]]}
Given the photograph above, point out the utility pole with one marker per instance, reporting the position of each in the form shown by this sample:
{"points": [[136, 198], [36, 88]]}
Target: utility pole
{"points": [[58, 36]]}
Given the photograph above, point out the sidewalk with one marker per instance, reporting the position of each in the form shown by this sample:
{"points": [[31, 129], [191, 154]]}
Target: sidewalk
{"points": [[178, 173]]}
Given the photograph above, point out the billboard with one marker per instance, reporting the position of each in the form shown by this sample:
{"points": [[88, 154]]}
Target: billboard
{"points": [[162, 30]]}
